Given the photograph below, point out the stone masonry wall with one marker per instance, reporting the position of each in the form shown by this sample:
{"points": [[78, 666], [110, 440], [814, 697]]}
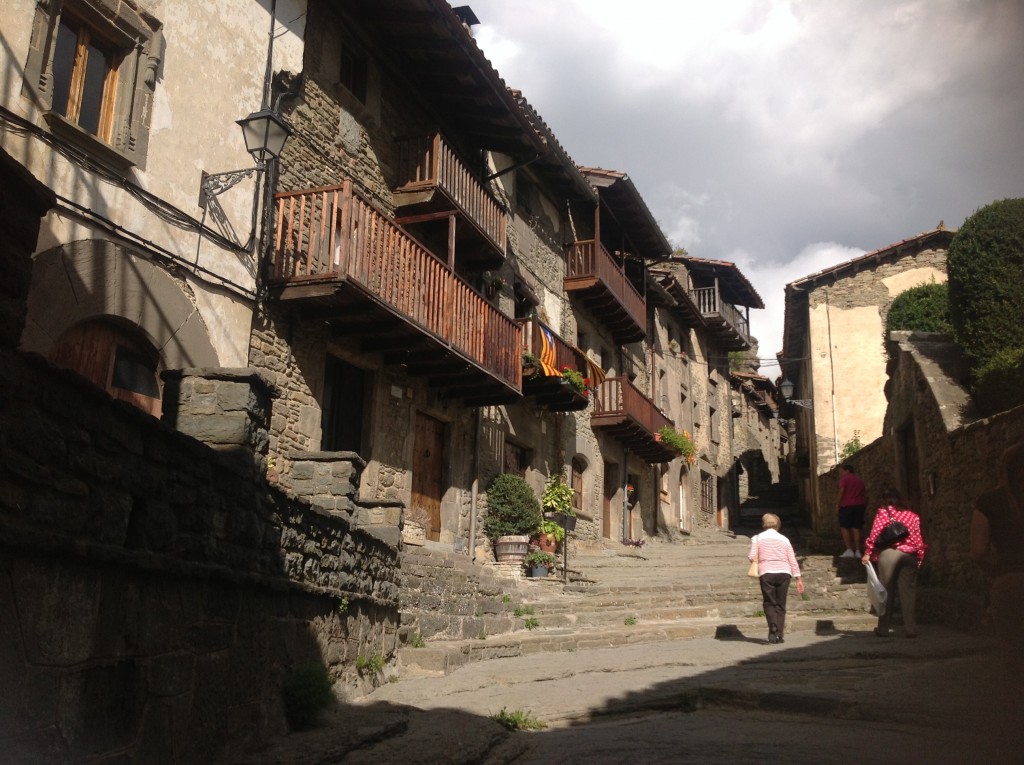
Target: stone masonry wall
{"points": [[154, 592], [956, 463]]}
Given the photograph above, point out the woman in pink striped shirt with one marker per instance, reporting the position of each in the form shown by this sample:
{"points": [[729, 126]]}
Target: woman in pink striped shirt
{"points": [[776, 566], [897, 565]]}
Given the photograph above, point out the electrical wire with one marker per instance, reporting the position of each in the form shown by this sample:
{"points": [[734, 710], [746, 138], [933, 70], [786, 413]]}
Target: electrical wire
{"points": [[203, 274], [164, 210]]}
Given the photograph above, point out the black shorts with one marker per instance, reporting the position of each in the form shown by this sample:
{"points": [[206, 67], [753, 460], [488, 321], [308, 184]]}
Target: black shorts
{"points": [[851, 517]]}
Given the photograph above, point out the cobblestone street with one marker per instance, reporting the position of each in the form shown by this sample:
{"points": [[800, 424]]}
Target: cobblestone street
{"points": [[716, 692]]}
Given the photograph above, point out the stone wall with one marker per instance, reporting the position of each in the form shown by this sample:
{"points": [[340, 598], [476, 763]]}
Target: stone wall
{"points": [[935, 453], [154, 591]]}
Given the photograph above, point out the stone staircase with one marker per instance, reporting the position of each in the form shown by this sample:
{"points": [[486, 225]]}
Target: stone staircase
{"points": [[454, 612]]}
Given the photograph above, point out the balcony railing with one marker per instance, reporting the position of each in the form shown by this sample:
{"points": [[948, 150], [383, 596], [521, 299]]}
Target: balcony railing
{"points": [[336, 234], [546, 382], [632, 418], [711, 306], [427, 162], [561, 354], [588, 261]]}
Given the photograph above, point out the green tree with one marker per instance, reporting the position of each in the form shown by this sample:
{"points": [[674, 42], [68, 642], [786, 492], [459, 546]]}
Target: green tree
{"points": [[986, 281]]}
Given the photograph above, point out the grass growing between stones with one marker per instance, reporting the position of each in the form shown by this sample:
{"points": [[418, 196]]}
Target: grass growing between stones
{"points": [[517, 720], [306, 693]]}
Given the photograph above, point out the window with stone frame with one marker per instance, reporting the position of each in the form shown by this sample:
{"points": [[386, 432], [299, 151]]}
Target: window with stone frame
{"points": [[92, 66]]}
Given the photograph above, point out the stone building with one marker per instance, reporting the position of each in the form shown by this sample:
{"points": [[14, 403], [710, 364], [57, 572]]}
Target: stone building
{"points": [[102, 101], [833, 346], [699, 322], [430, 229], [759, 441]]}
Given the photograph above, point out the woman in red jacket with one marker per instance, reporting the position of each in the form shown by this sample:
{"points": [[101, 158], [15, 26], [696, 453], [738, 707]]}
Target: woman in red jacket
{"points": [[898, 564]]}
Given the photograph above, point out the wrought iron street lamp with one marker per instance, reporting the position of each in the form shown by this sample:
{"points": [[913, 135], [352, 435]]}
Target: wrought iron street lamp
{"points": [[265, 135], [786, 389]]}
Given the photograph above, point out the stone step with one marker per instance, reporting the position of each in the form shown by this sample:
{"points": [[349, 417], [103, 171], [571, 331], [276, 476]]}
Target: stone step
{"points": [[440, 658]]}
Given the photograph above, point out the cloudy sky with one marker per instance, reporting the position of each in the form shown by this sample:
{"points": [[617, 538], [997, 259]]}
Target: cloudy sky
{"points": [[785, 137]]}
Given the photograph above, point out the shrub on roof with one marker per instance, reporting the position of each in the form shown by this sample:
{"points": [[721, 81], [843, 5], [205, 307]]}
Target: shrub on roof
{"points": [[924, 308]]}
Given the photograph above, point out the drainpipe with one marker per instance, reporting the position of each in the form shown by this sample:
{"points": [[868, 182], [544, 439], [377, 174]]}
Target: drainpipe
{"points": [[475, 488], [625, 495], [832, 374]]}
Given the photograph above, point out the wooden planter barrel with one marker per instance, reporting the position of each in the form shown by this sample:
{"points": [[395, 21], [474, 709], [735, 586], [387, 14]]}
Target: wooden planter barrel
{"points": [[511, 549]]}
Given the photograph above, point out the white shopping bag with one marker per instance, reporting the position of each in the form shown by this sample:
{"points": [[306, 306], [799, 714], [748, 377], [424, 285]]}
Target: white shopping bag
{"points": [[876, 590]]}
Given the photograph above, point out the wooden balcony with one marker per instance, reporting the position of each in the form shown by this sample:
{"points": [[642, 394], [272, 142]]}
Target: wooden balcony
{"points": [[338, 259], [545, 382], [433, 183], [593, 276], [722, 319], [621, 410]]}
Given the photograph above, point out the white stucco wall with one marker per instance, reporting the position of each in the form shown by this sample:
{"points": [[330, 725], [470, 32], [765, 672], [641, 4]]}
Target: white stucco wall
{"points": [[210, 76]]}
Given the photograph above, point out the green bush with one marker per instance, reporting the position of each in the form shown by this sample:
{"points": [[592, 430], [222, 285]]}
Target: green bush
{"points": [[986, 281], [306, 693], [512, 507], [999, 382], [924, 308]]}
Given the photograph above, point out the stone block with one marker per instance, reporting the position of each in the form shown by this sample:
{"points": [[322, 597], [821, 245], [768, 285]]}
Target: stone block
{"points": [[233, 428], [59, 612], [101, 707], [171, 674]]}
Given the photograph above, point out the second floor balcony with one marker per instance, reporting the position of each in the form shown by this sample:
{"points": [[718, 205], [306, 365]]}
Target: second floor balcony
{"points": [[547, 355], [595, 277], [622, 411], [433, 184], [340, 260], [723, 320]]}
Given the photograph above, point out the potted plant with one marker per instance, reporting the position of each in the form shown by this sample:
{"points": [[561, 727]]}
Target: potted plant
{"points": [[575, 379], [549, 535], [539, 563], [680, 442], [557, 499], [531, 365], [493, 285], [513, 514]]}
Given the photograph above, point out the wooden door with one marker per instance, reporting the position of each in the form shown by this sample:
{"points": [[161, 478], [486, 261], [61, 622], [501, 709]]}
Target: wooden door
{"points": [[707, 496], [428, 472], [125, 365], [343, 407]]}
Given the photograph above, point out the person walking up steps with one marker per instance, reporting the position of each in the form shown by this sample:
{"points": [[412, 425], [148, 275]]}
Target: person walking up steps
{"points": [[897, 565], [851, 505], [776, 566]]}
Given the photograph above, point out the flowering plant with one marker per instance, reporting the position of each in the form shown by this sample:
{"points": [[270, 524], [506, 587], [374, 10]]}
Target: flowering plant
{"points": [[629, 488], [577, 380], [680, 442]]}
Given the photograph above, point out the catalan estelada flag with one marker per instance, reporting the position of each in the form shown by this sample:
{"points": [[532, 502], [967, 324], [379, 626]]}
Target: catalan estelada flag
{"points": [[595, 373], [548, 362]]}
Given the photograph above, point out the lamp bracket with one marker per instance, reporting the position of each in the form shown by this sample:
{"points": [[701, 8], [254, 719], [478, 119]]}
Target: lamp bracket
{"points": [[215, 184], [804, 402]]}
